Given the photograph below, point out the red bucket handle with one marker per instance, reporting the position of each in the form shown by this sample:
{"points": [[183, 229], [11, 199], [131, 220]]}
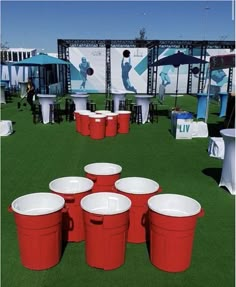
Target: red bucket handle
{"points": [[201, 213], [69, 198], [64, 209], [96, 219], [114, 189], [10, 208], [159, 189], [92, 177]]}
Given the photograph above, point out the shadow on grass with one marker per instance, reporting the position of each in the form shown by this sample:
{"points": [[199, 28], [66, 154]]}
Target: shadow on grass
{"points": [[213, 172], [215, 128]]}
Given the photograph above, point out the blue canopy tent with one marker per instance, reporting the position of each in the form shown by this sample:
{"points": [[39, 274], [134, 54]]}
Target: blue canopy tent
{"points": [[41, 61]]}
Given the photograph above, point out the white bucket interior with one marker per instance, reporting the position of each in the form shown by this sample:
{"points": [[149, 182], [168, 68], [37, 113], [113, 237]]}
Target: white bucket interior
{"points": [[136, 185], [71, 185], [102, 112], [112, 114], [84, 112], [124, 112], [105, 203], [174, 205], [97, 116], [38, 203], [103, 168]]}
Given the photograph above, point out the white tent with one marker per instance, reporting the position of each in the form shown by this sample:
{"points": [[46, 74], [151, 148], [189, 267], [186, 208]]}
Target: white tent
{"points": [[216, 63]]}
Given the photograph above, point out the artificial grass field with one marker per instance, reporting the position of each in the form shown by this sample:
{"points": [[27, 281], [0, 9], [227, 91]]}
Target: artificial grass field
{"points": [[35, 154]]}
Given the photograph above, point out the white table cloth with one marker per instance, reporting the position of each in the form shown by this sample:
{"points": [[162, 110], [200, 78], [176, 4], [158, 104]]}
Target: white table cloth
{"points": [[5, 128], [80, 100], [45, 102], [228, 169], [216, 147], [118, 96], [144, 101], [23, 88]]}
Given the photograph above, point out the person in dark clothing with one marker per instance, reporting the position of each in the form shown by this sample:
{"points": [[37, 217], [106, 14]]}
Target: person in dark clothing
{"points": [[30, 90]]}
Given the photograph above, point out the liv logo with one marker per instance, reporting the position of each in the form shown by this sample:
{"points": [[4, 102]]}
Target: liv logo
{"points": [[183, 128]]}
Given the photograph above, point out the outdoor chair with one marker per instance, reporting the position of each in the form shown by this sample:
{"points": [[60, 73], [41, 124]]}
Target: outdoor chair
{"points": [[122, 106], [153, 113], [55, 113], [69, 110], [109, 105], [136, 114], [91, 106], [37, 113]]}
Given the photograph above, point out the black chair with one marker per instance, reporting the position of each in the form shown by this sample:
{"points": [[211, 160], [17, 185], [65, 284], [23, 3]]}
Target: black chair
{"points": [[122, 105], [55, 113], [37, 113], [153, 113], [69, 110], [136, 114], [109, 105], [128, 103], [91, 106]]}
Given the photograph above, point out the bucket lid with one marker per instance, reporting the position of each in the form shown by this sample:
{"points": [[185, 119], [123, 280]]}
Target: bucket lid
{"points": [[38, 203], [174, 205], [136, 185], [71, 184], [105, 203], [103, 168]]}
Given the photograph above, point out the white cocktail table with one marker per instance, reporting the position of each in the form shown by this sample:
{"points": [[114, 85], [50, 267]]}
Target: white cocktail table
{"points": [[144, 101], [228, 168], [45, 102]]}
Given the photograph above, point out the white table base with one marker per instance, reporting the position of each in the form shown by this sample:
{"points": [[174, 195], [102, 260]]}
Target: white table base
{"points": [[117, 98], [228, 169], [80, 101], [45, 102], [144, 101]]}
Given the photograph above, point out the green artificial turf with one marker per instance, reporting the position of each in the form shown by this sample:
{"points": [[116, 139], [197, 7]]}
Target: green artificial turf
{"points": [[35, 154]]}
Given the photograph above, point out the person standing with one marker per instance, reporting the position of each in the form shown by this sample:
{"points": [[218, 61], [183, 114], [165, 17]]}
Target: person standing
{"points": [[30, 90]]}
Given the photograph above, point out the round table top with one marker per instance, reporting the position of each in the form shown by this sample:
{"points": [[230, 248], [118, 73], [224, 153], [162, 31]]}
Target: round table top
{"points": [[228, 133], [144, 96], [79, 95], [46, 96]]}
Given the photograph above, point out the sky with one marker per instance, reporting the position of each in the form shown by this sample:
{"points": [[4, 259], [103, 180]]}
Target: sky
{"points": [[38, 24]]}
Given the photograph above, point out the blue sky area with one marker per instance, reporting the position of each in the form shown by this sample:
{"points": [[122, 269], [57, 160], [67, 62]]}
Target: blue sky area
{"points": [[38, 24]]}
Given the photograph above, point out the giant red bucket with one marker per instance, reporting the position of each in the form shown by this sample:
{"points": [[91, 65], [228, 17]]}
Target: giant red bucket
{"points": [[103, 174], [84, 122], [123, 122], [173, 220], [97, 124], [72, 189], [77, 121], [111, 124], [38, 218], [106, 219], [138, 190]]}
